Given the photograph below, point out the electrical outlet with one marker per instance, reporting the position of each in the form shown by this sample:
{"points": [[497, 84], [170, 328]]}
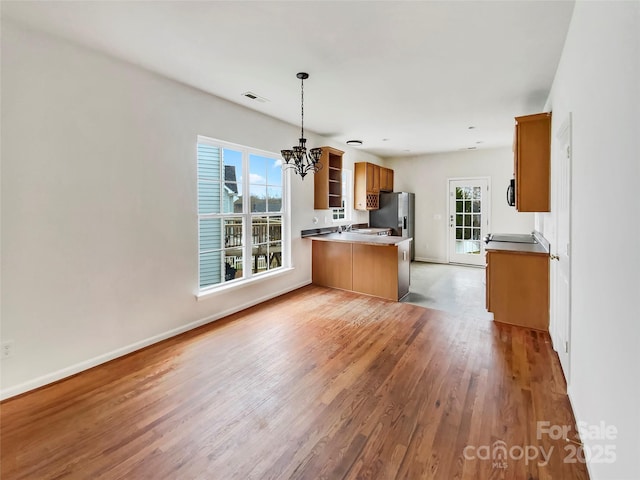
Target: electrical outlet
{"points": [[6, 350]]}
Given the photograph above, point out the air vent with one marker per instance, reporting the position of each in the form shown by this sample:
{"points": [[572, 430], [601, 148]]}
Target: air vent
{"points": [[253, 96]]}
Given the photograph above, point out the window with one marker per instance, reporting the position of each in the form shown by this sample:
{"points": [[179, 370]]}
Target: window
{"points": [[344, 212], [241, 213]]}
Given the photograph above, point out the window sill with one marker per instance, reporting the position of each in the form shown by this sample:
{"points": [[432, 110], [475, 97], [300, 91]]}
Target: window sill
{"points": [[213, 291]]}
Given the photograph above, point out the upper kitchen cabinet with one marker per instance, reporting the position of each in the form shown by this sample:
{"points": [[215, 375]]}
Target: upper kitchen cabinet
{"points": [[532, 162], [328, 180], [369, 180], [366, 186], [386, 179]]}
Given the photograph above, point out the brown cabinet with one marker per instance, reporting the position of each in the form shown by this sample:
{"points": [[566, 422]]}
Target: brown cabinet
{"points": [[331, 264], [386, 179], [517, 288], [328, 180], [378, 270], [368, 181], [532, 162]]}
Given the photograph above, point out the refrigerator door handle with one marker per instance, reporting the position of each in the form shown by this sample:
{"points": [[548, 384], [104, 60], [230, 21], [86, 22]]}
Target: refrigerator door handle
{"points": [[404, 223]]}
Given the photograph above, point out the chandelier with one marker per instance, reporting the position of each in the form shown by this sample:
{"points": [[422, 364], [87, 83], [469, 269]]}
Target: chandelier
{"points": [[298, 158]]}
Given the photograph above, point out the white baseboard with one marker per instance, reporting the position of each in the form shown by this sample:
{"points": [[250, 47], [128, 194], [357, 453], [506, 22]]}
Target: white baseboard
{"points": [[100, 359], [578, 418]]}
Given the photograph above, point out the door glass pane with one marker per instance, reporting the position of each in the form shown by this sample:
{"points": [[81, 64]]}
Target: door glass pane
{"points": [[459, 206], [467, 220], [476, 221], [467, 207]]}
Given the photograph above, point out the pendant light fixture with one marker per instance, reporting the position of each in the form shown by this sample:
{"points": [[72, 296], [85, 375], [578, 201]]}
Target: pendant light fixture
{"points": [[298, 158]]}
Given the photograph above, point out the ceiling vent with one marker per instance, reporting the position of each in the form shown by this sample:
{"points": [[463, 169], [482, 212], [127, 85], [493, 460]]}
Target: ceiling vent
{"points": [[253, 96]]}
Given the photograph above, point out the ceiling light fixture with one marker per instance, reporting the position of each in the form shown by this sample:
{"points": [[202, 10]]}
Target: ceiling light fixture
{"points": [[354, 143], [298, 158]]}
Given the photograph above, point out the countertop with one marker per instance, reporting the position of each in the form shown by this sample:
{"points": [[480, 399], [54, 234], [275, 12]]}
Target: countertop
{"points": [[540, 248], [351, 237]]}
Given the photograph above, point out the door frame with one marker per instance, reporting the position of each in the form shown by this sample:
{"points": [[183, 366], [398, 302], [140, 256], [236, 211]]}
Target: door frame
{"points": [[563, 139], [487, 220]]}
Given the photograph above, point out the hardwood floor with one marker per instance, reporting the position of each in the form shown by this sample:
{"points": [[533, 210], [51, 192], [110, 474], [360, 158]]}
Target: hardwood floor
{"points": [[316, 384]]}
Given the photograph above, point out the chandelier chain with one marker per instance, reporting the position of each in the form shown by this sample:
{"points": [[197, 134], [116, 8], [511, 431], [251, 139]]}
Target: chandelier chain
{"points": [[302, 105]]}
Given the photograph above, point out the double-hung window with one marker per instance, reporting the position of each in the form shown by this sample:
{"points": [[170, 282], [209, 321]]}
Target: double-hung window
{"points": [[241, 212]]}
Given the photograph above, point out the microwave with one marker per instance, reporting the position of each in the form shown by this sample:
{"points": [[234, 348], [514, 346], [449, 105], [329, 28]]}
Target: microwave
{"points": [[511, 193]]}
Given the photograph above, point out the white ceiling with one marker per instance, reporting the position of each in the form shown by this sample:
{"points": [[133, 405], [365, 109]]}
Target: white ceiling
{"points": [[405, 77]]}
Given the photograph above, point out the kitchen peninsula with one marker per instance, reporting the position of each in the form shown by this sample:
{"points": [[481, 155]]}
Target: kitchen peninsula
{"points": [[370, 264]]}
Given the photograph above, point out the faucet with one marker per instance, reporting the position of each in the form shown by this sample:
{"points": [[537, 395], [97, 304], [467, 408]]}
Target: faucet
{"points": [[348, 228]]}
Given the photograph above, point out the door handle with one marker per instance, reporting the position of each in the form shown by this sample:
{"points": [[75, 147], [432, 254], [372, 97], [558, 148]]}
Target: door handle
{"points": [[554, 257]]}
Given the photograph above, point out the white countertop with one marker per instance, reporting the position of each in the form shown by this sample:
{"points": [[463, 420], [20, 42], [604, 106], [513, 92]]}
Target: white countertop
{"points": [[351, 237]]}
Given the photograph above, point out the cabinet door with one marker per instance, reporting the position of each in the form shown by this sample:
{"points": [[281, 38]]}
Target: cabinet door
{"points": [[386, 179], [518, 288], [389, 180], [331, 264], [366, 187], [532, 163], [360, 186], [373, 178]]}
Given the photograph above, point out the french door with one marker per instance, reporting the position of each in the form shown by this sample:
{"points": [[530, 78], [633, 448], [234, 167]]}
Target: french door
{"points": [[468, 220]]}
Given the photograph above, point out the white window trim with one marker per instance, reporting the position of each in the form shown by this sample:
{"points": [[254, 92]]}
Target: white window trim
{"points": [[249, 276], [226, 287]]}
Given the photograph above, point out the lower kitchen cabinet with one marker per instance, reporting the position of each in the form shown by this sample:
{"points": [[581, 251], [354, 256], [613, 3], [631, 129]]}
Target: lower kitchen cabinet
{"points": [[332, 265], [517, 287], [379, 270]]}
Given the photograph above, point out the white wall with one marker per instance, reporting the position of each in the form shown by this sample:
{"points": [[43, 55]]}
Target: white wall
{"points": [[428, 175], [598, 81], [99, 232]]}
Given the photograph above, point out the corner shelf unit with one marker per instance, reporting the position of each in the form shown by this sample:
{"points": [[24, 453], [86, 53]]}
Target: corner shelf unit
{"points": [[328, 181]]}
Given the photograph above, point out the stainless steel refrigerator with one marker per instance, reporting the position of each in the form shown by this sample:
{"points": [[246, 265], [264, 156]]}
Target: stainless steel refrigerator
{"points": [[397, 211]]}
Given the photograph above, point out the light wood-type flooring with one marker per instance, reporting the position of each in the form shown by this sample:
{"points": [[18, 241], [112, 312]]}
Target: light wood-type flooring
{"points": [[316, 384]]}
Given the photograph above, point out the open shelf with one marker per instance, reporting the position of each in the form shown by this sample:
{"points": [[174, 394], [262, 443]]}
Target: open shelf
{"points": [[328, 181]]}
